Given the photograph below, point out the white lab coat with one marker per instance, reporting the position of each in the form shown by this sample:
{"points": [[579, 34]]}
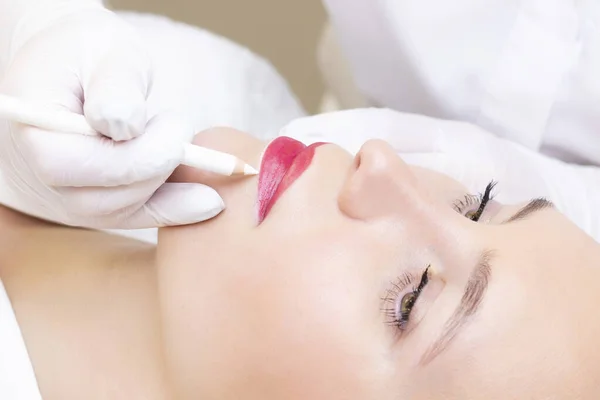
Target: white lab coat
{"points": [[526, 70]]}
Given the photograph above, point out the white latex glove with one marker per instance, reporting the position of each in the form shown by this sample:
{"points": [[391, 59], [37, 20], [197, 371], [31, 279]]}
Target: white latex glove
{"points": [[76, 55], [467, 153]]}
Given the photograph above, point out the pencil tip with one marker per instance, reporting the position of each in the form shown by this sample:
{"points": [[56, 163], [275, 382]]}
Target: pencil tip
{"points": [[249, 170]]}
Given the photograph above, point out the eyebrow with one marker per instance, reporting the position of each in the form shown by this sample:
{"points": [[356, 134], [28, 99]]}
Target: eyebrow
{"points": [[469, 304], [476, 287], [531, 207]]}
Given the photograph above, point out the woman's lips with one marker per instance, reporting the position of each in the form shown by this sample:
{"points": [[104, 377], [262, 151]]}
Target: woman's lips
{"points": [[284, 160]]}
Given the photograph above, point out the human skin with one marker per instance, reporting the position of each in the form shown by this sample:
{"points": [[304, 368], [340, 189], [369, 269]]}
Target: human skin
{"points": [[292, 308], [86, 304]]}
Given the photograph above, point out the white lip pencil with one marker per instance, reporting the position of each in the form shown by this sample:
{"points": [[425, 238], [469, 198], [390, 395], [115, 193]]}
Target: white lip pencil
{"points": [[194, 156]]}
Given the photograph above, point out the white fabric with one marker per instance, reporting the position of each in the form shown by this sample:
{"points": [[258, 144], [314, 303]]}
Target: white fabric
{"points": [[526, 70], [223, 84], [17, 378]]}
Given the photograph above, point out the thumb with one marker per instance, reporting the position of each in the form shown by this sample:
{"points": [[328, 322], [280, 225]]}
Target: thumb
{"points": [[176, 204], [116, 93]]}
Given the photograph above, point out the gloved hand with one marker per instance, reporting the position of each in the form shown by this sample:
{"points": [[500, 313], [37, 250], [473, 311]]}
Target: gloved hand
{"points": [[467, 153], [76, 55]]}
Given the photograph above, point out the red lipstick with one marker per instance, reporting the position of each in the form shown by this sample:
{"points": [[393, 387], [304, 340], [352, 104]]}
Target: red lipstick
{"points": [[284, 160]]}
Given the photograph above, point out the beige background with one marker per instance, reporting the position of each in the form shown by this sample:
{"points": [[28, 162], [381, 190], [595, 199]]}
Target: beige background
{"points": [[284, 31]]}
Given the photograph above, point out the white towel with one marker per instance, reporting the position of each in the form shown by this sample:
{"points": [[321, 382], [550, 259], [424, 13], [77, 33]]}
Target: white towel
{"points": [[17, 378]]}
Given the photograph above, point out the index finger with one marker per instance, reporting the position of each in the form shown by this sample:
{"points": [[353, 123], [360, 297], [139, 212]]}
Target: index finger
{"points": [[65, 159]]}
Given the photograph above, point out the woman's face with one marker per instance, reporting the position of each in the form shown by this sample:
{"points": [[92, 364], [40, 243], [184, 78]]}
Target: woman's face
{"points": [[365, 282]]}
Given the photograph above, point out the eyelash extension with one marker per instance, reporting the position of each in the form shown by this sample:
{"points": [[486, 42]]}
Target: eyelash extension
{"points": [[396, 315], [481, 200]]}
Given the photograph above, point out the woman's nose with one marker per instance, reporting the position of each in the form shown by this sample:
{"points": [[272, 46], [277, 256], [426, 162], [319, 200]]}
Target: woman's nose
{"points": [[379, 183]]}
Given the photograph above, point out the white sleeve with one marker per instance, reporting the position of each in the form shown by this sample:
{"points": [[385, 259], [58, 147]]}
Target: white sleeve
{"points": [[21, 19]]}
